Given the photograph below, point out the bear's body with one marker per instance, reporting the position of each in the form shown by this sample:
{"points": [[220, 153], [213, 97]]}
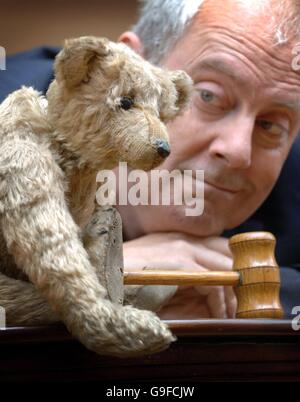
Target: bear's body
{"points": [[106, 105]]}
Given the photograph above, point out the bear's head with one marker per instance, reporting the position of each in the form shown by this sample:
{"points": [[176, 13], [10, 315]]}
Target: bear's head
{"points": [[107, 104]]}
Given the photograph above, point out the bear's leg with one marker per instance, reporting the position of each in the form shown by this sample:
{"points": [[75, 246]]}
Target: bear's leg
{"points": [[102, 239], [23, 303]]}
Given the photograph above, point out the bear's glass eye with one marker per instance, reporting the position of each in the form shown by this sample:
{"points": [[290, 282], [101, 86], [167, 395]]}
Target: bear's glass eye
{"points": [[126, 103]]}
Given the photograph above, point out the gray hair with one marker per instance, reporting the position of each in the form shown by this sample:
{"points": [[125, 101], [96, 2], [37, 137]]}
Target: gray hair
{"points": [[161, 23]]}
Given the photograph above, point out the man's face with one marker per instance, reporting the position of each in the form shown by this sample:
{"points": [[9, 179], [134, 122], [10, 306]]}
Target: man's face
{"points": [[243, 118]]}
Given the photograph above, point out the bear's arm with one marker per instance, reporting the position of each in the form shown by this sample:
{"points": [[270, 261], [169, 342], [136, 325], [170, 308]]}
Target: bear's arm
{"points": [[37, 227]]}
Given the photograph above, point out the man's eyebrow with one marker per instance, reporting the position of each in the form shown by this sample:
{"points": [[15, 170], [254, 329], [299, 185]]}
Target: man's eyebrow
{"points": [[225, 68], [222, 67], [288, 104]]}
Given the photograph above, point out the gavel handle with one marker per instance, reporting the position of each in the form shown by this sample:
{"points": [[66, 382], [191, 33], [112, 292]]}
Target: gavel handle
{"points": [[159, 277]]}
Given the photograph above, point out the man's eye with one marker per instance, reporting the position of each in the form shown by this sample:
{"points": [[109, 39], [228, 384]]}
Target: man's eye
{"points": [[207, 96], [126, 103], [211, 98], [272, 128]]}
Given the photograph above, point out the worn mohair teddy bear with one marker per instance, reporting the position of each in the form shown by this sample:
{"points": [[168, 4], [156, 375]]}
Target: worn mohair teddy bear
{"points": [[61, 254]]}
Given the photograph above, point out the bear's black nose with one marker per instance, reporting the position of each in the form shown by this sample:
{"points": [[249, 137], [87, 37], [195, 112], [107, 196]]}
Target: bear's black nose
{"points": [[163, 148]]}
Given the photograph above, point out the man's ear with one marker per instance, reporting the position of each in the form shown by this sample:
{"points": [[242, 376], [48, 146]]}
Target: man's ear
{"points": [[74, 61], [133, 41], [184, 86]]}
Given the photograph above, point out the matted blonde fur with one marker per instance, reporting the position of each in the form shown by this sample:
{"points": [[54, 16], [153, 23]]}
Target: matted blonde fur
{"points": [[49, 158]]}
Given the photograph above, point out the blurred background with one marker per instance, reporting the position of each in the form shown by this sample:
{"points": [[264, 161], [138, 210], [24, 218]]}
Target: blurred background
{"points": [[31, 23]]}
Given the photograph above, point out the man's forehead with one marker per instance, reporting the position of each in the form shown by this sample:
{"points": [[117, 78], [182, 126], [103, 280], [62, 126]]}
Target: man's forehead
{"points": [[250, 42], [250, 8], [278, 20]]}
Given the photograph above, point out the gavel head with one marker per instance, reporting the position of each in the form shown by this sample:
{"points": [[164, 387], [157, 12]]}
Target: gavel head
{"points": [[258, 290]]}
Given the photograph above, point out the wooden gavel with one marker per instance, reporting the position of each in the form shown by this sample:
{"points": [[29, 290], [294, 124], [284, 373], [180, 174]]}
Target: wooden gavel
{"points": [[255, 276]]}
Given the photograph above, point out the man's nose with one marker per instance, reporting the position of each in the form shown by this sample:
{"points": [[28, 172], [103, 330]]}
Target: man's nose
{"points": [[234, 144], [163, 148]]}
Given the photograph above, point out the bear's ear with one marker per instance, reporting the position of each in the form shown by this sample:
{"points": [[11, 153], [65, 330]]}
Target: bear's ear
{"points": [[184, 85], [74, 61]]}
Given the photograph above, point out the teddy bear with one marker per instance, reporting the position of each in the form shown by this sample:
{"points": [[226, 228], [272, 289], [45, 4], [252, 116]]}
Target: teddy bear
{"points": [[60, 252]]}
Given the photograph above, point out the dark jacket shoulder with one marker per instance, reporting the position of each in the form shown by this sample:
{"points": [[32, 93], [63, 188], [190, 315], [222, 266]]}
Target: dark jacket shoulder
{"points": [[31, 68]]}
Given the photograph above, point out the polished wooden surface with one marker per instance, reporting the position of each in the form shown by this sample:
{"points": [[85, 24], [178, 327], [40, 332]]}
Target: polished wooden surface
{"points": [[210, 350]]}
